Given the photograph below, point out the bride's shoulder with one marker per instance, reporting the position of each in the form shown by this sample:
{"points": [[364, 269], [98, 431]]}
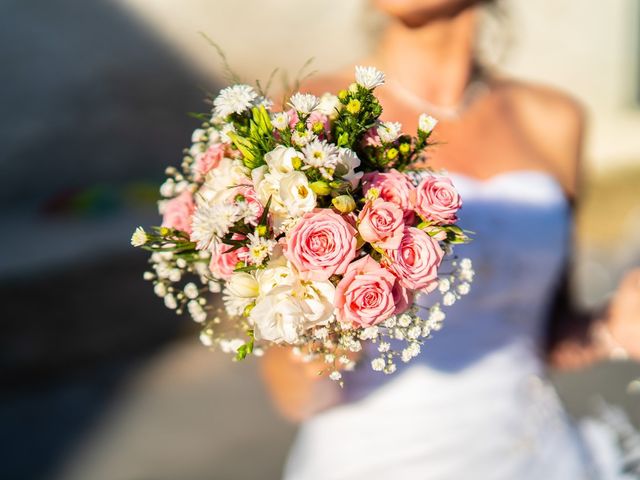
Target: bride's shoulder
{"points": [[553, 121]]}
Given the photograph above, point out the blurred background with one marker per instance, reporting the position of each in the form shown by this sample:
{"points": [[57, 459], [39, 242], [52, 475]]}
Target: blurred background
{"points": [[99, 380]]}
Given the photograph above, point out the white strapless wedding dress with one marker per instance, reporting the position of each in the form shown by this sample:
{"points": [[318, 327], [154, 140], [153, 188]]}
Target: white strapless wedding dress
{"points": [[476, 403]]}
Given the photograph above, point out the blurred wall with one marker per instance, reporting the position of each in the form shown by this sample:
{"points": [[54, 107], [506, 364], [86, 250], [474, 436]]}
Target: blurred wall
{"points": [[587, 47]]}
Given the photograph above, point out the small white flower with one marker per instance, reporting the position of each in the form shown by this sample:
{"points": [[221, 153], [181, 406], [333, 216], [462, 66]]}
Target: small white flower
{"points": [[321, 333], [436, 315], [335, 375], [329, 358], [390, 322], [384, 347], [369, 333], [199, 135], [206, 338], [378, 364], [139, 237], [321, 155], [231, 346], [191, 290], [406, 355], [168, 188], [196, 311], [175, 275], [214, 287], [414, 332], [448, 299], [369, 77], [444, 285], [212, 222], [280, 120], [302, 138], [148, 276], [464, 288], [160, 289], [259, 248], [391, 368], [466, 264], [234, 99], [426, 123], [389, 131], [170, 301], [404, 320], [304, 103]]}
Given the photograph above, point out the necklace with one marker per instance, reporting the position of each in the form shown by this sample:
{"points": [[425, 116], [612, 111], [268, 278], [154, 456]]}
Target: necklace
{"points": [[475, 89]]}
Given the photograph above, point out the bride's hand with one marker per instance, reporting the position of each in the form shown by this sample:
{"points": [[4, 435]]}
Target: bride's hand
{"points": [[298, 389], [623, 320]]}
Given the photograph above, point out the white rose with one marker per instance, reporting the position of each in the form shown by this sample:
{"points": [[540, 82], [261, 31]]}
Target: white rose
{"points": [[318, 302], [348, 161], [277, 274], [280, 160], [296, 194], [243, 285], [278, 317]]}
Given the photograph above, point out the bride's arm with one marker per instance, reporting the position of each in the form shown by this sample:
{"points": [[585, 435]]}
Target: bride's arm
{"points": [[298, 389], [577, 339]]}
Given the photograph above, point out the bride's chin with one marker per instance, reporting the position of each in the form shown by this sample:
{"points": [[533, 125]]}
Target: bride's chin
{"points": [[416, 13]]}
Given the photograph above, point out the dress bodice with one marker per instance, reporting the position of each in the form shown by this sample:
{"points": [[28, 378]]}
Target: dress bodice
{"points": [[476, 399]]}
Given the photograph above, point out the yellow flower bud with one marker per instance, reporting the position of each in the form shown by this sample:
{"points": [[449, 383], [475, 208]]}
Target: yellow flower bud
{"points": [[404, 148], [317, 128], [344, 203], [164, 231], [353, 106], [261, 230], [320, 187], [392, 153], [342, 95], [296, 162]]}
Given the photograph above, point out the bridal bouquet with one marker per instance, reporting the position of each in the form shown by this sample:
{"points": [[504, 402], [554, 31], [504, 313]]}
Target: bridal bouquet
{"points": [[314, 224]]}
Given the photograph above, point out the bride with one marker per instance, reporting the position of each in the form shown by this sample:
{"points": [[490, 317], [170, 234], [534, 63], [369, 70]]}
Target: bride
{"points": [[477, 402]]}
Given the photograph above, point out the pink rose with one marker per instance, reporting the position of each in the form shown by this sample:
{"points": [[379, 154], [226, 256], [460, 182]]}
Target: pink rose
{"points": [[394, 187], [210, 159], [416, 260], [381, 222], [369, 294], [321, 244], [223, 261], [437, 200], [177, 212]]}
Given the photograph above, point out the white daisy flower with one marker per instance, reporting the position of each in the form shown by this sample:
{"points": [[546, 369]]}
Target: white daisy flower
{"points": [[301, 139], [389, 131], [321, 155], [329, 105], [369, 77], [426, 123], [304, 103], [139, 237], [259, 248], [280, 120], [213, 222], [234, 99]]}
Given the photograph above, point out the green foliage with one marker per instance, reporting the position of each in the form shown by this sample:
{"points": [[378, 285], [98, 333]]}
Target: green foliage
{"points": [[246, 348]]}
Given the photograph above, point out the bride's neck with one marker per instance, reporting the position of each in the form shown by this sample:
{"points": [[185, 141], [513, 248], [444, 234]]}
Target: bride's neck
{"points": [[434, 61]]}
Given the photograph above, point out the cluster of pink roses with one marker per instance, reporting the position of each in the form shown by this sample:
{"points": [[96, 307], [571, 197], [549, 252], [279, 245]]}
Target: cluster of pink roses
{"points": [[325, 243]]}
